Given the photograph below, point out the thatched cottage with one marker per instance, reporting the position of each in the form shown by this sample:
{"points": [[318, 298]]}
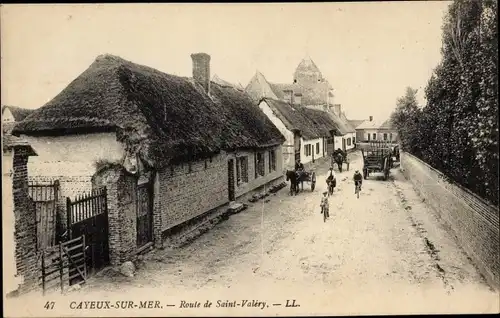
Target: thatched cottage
{"points": [[169, 149], [308, 132]]}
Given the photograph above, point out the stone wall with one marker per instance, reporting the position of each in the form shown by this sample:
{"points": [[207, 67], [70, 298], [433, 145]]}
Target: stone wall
{"points": [[474, 222]]}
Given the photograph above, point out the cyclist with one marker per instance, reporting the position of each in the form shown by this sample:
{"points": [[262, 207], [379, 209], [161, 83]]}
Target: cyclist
{"points": [[358, 179], [331, 178]]}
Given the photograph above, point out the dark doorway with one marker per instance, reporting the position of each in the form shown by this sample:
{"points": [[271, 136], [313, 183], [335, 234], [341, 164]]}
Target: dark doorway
{"points": [[144, 214], [230, 179]]}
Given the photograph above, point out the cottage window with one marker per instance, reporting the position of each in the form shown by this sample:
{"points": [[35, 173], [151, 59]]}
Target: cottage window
{"points": [[241, 170], [307, 150], [385, 136], [374, 136], [272, 160], [317, 148], [368, 137], [348, 141], [259, 165]]}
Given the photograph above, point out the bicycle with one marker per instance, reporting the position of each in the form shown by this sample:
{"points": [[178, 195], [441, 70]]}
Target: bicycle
{"points": [[358, 188], [325, 213], [331, 186]]}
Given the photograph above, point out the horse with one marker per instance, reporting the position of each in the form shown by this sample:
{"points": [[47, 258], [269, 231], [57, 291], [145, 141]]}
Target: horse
{"points": [[300, 179], [294, 181], [339, 159]]}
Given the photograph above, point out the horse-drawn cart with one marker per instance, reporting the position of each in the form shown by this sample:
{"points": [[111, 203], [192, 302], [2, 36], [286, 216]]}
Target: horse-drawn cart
{"points": [[339, 158], [377, 157], [297, 178], [309, 177]]}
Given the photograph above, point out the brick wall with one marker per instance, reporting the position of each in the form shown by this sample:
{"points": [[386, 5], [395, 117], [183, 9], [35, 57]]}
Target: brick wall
{"points": [[188, 190], [110, 179], [474, 222], [127, 202], [25, 223]]}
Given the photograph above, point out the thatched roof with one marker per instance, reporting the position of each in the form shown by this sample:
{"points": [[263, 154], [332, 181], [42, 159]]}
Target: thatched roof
{"points": [[280, 88], [164, 118], [340, 124], [311, 123], [347, 123], [17, 112], [323, 121]]}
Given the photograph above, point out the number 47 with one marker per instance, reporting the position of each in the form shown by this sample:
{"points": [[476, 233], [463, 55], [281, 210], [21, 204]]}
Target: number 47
{"points": [[49, 305]]}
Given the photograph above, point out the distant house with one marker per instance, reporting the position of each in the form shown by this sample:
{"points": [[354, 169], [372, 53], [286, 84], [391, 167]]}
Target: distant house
{"points": [[356, 122], [312, 91], [371, 130], [307, 131], [11, 115], [170, 150]]}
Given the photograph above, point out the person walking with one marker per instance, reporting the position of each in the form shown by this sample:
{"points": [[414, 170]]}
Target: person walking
{"points": [[325, 208]]}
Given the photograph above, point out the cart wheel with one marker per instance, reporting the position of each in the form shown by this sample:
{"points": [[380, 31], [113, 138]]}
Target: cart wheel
{"points": [[365, 173], [313, 185]]}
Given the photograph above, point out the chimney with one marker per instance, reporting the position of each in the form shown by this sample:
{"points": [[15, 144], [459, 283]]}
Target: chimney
{"points": [[371, 118], [297, 100], [201, 70], [337, 109], [288, 95]]}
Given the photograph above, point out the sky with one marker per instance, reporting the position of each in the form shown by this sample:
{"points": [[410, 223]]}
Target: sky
{"points": [[369, 52]]}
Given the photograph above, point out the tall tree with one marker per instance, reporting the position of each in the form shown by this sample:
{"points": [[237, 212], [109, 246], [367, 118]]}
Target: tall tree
{"points": [[405, 120], [457, 130]]}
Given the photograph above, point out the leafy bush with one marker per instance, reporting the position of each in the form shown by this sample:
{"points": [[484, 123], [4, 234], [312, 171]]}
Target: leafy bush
{"points": [[457, 131]]}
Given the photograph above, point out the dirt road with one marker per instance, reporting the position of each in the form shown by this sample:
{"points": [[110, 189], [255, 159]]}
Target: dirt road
{"points": [[382, 253]]}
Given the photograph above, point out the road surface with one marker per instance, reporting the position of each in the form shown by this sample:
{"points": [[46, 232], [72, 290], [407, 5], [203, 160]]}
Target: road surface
{"points": [[383, 253]]}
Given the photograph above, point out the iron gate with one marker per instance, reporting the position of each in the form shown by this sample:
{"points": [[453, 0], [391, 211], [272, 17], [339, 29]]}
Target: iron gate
{"points": [[87, 215]]}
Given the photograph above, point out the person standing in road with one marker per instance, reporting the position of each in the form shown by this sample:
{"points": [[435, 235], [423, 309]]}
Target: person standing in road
{"points": [[324, 205]]}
